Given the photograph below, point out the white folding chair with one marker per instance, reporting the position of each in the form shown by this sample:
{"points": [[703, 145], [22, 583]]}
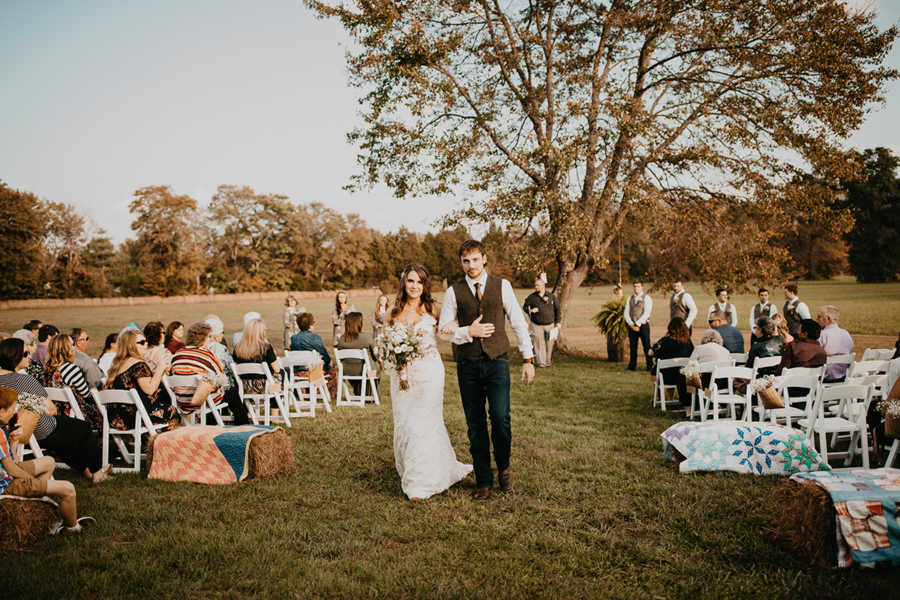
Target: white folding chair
{"points": [[659, 390], [816, 372], [739, 358], [853, 400], [314, 384], [699, 400], [345, 396], [190, 382], [258, 403], [727, 395], [765, 362], [66, 397], [783, 384], [865, 368], [877, 354], [142, 425]]}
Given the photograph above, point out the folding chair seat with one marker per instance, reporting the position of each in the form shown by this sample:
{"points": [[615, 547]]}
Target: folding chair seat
{"points": [[142, 425], [725, 395], [312, 389], [188, 383], [783, 384], [659, 390], [853, 399], [259, 403], [368, 387], [699, 399], [65, 397]]}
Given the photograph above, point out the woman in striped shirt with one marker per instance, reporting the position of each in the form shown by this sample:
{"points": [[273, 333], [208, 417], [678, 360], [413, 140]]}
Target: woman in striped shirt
{"points": [[61, 371], [197, 359], [130, 371]]}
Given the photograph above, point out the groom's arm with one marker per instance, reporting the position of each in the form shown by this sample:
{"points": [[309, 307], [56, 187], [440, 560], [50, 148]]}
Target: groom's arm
{"points": [[448, 315], [516, 319]]}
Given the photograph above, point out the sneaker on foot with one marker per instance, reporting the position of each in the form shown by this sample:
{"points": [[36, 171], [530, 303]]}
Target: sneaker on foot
{"points": [[56, 527], [86, 521]]}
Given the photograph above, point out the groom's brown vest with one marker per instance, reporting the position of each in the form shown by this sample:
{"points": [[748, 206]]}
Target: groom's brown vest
{"points": [[467, 310]]}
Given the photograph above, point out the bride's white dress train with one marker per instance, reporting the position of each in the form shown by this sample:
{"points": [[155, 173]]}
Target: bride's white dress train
{"points": [[424, 456]]}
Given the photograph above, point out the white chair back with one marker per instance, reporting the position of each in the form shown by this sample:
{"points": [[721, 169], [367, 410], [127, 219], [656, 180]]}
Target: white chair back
{"points": [[816, 372], [142, 424], [345, 396], [659, 390], [739, 358], [864, 368], [304, 358], [878, 354], [65, 396], [765, 362], [841, 359], [259, 401], [726, 394]]}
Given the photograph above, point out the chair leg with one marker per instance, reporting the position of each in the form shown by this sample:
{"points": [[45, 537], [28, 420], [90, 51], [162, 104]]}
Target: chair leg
{"points": [[895, 447], [137, 451], [823, 443], [282, 405], [864, 441]]}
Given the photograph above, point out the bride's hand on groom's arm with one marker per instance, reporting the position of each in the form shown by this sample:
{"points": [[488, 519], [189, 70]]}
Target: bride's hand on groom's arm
{"points": [[481, 330]]}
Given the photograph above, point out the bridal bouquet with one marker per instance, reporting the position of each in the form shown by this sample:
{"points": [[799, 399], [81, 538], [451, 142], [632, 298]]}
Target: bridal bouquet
{"points": [[691, 372], [400, 345]]}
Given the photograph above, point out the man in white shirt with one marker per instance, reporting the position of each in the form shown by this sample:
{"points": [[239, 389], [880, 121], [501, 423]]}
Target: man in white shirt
{"points": [[834, 340], [480, 305], [723, 305], [794, 310], [682, 305], [637, 317]]}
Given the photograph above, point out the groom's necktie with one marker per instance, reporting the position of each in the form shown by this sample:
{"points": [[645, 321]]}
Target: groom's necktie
{"points": [[478, 292]]}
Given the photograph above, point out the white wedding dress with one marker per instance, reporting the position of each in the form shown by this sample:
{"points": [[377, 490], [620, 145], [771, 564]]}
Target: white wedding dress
{"points": [[425, 459]]}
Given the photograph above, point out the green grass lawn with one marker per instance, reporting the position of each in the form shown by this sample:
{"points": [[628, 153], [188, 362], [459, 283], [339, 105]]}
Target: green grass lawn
{"points": [[597, 513]]}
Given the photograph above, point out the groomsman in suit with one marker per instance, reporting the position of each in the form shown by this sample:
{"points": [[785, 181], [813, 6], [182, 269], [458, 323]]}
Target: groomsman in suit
{"points": [[763, 309], [724, 306], [794, 310], [682, 305], [637, 317]]}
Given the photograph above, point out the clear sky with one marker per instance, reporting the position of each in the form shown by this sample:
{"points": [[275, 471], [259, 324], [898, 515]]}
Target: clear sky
{"points": [[100, 98]]}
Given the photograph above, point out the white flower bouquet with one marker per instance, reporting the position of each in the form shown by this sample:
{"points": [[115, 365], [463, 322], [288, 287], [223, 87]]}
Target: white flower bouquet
{"points": [[890, 408], [764, 387], [691, 372], [400, 345]]}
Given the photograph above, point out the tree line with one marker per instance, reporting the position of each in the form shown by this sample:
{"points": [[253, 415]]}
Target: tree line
{"points": [[244, 241]]}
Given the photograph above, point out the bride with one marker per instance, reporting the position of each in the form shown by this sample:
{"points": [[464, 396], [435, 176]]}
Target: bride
{"points": [[425, 459]]}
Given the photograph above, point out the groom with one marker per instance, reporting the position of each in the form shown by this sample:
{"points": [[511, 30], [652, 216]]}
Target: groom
{"points": [[480, 304]]}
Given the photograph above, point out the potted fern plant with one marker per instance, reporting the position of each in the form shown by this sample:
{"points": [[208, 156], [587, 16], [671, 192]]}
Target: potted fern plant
{"points": [[611, 322]]}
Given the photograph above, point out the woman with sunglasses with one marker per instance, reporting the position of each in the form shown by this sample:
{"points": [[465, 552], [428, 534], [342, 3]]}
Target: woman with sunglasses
{"points": [[129, 370]]}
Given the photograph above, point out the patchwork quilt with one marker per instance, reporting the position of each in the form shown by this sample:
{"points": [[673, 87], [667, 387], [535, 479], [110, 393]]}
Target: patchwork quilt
{"points": [[742, 447], [204, 454], [866, 503]]}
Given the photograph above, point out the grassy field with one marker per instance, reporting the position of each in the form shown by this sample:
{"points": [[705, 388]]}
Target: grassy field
{"points": [[871, 312], [597, 513]]}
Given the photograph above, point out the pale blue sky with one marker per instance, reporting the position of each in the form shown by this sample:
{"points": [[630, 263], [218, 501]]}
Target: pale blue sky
{"points": [[99, 98]]}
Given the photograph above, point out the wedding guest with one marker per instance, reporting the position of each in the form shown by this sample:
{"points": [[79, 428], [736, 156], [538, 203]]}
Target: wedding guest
{"points": [[731, 335], [129, 371], [289, 319], [255, 348], [71, 440], [341, 308], [305, 339], [33, 326], [675, 344], [682, 305], [763, 308], [781, 327], [805, 351], [92, 372], [248, 316], [174, 335], [217, 345], [896, 348], [544, 316], [382, 314], [834, 340], [354, 339], [710, 350], [794, 311], [45, 334], [769, 344], [637, 317], [618, 291], [724, 306], [61, 370], [104, 361], [31, 478], [154, 333]]}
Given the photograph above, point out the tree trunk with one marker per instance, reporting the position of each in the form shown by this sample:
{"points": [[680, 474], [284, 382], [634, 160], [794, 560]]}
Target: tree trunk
{"points": [[615, 351], [570, 277]]}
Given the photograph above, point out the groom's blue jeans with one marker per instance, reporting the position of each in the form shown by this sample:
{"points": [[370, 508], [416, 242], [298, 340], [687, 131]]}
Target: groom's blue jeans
{"points": [[481, 380]]}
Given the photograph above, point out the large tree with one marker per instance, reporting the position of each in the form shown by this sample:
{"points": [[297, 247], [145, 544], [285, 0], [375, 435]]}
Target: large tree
{"points": [[21, 230], [563, 116]]}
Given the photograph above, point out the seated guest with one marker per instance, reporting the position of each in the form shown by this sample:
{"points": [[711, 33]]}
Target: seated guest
{"points": [[896, 348], [354, 339], [197, 359], [253, 347], [70, 440], [834, 340], [768, 344], [45, 334], [104, 361], [154, 333], [305, 339], [61, 371], [805, 351], [31, 478], [250, 316], [731, 335], [675, 344], [92, 373], [129, 371], [781, 327], [710, 350], [174, 335], [33, 326]]}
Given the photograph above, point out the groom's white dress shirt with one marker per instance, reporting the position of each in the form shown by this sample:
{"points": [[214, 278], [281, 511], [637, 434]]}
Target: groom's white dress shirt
{"points": [[510, 306]]}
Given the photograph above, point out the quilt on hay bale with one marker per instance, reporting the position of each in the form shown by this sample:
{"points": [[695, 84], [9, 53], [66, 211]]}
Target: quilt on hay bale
{"points": [[220, 455], [865, 507], [742, 447]]}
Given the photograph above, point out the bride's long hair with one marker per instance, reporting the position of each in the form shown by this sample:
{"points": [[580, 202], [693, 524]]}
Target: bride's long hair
{"points": [[426, 299]]}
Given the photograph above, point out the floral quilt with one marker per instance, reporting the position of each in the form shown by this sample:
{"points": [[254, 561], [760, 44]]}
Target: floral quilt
{"points": [[742, 447], [866, 503]]}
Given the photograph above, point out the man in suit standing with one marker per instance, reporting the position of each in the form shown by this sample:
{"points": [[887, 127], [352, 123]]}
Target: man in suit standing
{"points": [[637, 317], [724, 306], [682, 305], [794, 310], [763, 309], [480, 304]]}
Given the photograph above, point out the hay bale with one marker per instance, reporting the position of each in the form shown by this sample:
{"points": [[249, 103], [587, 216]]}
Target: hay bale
{"points": [[804, 517], [271, 454], [24, 521]]}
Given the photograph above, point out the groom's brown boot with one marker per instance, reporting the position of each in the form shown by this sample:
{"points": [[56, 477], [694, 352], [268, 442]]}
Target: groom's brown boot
{"points": [[482, 493], [507, 480]]}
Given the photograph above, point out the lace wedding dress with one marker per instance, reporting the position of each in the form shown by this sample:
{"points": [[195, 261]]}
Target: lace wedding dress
{"points": [[425, 459]]}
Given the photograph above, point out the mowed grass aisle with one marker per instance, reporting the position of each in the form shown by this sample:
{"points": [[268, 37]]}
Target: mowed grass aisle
{"points": [[596, 513]]}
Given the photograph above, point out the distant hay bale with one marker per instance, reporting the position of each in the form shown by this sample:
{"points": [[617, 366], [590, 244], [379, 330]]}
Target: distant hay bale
{"points": [[804, 517], [24, 521]]}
